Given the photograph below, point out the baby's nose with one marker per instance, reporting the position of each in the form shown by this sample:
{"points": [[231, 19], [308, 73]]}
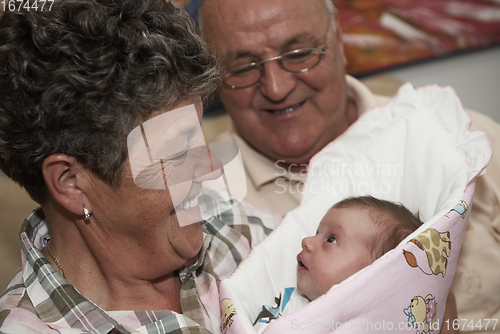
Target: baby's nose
{"points": [[307, 243]]}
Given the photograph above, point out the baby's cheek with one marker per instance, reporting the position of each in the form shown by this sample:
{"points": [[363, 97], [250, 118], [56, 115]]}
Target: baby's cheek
{"points": [[324, 288], [300, 283], [329, 279]]}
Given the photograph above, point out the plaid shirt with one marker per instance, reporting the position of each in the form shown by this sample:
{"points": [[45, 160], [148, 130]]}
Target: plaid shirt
{"points": [[40, 300]]}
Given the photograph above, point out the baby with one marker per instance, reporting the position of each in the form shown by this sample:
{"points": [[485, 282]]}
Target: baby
{"points": [[353, 234]]}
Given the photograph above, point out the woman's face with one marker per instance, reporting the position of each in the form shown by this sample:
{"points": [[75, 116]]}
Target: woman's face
{"points": [[135, 227]]}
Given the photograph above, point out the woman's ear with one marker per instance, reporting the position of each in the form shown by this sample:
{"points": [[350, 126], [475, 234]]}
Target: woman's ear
{"points": [[61, 173]]}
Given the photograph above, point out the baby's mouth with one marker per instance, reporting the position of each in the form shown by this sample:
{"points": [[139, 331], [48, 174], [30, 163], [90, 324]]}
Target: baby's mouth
{"points": [[300, 264]]}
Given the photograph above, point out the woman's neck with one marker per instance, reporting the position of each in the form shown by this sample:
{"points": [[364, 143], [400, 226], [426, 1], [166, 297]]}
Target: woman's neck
{"points": [[104, 282], [115, 292], [163, 294]]}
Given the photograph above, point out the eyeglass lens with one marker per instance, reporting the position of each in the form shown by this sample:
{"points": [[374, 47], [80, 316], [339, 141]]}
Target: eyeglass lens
{"points": [[300, 60]]}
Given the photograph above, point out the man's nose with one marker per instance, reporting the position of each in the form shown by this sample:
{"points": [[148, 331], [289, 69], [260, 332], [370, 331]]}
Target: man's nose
{"points": [[277, 83]]}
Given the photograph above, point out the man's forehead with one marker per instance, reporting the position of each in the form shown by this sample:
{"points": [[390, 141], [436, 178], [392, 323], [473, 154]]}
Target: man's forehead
{"points": [[228, 21]]}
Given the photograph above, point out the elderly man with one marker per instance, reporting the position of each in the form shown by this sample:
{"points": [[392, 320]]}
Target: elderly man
{"points": [[288, 96], [283, 111]]}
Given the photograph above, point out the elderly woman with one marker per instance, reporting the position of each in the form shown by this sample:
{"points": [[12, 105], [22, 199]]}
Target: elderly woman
{"points": [[78, 77]]}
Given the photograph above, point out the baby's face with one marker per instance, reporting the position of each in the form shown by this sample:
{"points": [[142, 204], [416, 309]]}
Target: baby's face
{"points": [[338, 250]]}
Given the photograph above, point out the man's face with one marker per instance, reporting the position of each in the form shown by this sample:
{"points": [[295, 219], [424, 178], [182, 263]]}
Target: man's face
{"points": [[338, 250], [286, 116]]}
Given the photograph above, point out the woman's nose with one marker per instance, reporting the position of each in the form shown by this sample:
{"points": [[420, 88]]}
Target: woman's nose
{"points": [[209, 167]]}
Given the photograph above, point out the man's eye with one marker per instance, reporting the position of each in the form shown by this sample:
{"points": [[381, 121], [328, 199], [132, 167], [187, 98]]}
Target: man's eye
{"points": [[332, 240], [298, 56]]}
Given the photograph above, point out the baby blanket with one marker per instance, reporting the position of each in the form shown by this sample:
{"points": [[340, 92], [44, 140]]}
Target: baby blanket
{"points": [[417, 150]]}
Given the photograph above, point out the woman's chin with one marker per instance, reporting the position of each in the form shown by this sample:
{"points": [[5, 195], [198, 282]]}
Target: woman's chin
{"points": [[188, 216], [193, 235]]}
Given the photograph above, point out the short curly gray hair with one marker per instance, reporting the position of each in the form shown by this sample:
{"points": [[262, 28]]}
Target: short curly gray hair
{"points": [[78, 78]]}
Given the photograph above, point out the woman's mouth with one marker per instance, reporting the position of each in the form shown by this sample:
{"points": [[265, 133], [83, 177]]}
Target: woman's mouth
{"points": [[188, 211], [188, 203]]}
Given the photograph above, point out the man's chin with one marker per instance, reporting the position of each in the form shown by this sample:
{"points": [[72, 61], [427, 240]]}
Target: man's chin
{"points": [[296, 151], [292, 158]]}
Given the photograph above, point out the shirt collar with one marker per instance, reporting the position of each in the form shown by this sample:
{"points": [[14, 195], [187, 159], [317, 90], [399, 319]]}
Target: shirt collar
{"points": [[259, 169], [360, 94], [56, 302]]}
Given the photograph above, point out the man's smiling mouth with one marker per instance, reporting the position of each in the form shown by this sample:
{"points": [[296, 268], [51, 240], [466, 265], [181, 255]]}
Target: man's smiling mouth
{"points": [[286, 110]]}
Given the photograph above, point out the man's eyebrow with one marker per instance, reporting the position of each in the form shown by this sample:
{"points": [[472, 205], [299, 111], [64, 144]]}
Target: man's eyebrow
{"points": [[239, 54], [298, 38], [301, 38]]}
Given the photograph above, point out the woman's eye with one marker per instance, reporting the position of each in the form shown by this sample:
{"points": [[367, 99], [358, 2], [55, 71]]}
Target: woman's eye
{"points": [[177, 159], [180, 156], [332, 240]]}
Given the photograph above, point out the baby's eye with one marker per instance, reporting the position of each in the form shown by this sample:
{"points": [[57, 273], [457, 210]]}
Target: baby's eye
{"points": [[332, 240]]}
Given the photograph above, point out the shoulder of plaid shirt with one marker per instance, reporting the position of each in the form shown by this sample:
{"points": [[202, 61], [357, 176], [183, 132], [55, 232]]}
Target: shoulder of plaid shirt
{"points": [[40, 300]]}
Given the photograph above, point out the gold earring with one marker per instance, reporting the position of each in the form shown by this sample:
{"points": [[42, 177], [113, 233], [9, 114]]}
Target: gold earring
{"points": [[86, 213]]}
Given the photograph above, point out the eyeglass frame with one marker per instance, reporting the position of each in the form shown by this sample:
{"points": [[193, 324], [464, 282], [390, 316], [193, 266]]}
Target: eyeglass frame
{"points": [[280, 63]]}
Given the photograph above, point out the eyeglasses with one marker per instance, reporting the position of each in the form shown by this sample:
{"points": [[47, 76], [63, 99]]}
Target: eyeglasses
{"points": [[295, 61]]}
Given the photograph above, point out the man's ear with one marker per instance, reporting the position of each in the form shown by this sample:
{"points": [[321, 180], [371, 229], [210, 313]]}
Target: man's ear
{"points": [[341, 46], [61, 173], [339, 37]]}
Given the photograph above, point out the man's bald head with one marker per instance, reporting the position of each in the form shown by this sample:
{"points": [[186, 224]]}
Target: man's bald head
{"points": [[332, 11]]}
